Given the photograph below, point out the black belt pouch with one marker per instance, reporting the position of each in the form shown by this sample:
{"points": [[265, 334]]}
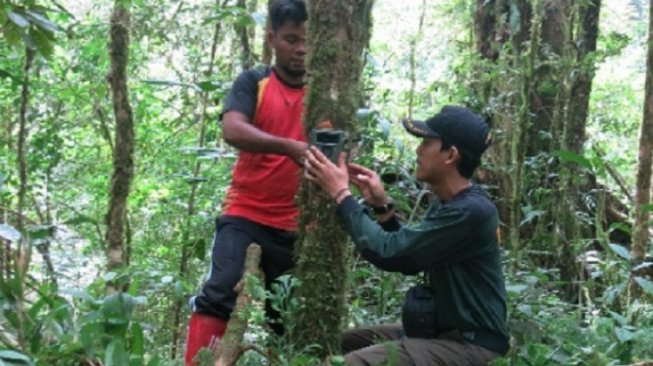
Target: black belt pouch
{"points": [[419, 315]]}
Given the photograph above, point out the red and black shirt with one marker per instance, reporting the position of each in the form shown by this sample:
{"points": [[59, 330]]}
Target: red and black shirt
{"points": [[264, 186]]}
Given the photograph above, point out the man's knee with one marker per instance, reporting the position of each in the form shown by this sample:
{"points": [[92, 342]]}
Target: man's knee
{"points": [[356, 358], [389, 353]]}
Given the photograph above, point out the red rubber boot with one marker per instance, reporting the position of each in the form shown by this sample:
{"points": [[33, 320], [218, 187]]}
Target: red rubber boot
{"points": [[202, 330]]}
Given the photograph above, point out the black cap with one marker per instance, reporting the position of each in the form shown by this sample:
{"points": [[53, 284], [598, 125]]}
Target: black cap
{"points": [[466, 130]]}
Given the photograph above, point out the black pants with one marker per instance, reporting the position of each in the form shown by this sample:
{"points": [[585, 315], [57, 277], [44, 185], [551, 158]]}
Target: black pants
{"points": [[232, 237]]}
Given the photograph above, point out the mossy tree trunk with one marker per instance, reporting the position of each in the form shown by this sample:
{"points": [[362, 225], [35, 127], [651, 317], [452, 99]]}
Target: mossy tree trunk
{"points": [[266, 58], [123, 154], [341, 28], [643, 202], [246, 35], [539, 100]]}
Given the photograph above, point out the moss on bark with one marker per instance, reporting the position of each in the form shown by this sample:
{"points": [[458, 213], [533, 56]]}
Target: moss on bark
{"points": [[341, 29]]}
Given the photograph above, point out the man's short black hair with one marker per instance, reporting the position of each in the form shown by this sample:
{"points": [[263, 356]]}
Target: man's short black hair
{"points": [[466, 164], [284, 10]]}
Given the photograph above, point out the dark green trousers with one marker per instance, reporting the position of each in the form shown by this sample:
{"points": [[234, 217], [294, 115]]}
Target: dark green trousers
{"points": [[384, 345]]}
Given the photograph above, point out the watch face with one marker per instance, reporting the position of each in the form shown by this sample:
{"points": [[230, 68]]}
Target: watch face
{"points": [[384, 209]]}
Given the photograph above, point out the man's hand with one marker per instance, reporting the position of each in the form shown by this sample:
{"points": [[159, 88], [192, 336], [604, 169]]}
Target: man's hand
{"points": [[296, 150], [369, 184], [319, 169]]}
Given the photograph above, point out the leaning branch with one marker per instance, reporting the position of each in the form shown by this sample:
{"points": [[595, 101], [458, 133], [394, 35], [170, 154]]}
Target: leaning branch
{"points": [[230, 347]]}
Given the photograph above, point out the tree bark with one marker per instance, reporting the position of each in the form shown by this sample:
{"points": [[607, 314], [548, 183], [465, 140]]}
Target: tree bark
{"points": [[544, 99], [123, 156], [643, 191], [22, 137], [190, 205], [551, 54], [246, 55], [341, 29], [230, 347], [266, 59], [581, 89]]}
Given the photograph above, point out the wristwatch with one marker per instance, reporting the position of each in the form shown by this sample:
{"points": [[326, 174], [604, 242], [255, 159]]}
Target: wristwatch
{"points": [[380, 210]]}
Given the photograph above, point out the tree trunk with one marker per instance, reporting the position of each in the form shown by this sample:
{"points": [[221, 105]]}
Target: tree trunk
{"points": [[190, 206], [341, 28], [246, 55], [230, 346], [123, 161], [266, 59], [549, 112], [22, 138], [413, 66], [643, 192], [544, 104], [581, 88]]}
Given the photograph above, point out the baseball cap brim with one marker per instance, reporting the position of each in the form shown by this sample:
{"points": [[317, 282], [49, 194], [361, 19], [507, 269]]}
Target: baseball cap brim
{"points": [[419, 129]]}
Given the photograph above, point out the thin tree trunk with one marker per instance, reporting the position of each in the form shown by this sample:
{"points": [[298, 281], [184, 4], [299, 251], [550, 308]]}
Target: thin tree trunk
{"points": [[230, 347], [246, 57], [322, 250], [582, 86], [22, 137], [20, 256], [643, 192], [413, 55], [544, 95], [123, 156], [266, 59], [190, 206]]}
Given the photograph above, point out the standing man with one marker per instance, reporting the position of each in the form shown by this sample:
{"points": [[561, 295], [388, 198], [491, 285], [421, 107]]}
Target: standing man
{"points": [[455, 246], [262, 117]]}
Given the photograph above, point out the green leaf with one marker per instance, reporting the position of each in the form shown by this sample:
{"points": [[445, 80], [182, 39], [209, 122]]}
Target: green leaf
{"points": [[172, 83], [645, 284], [138, 340], [13, 358], [81, 219], [43, 41], [648, 207], [515, 19], [620, 251], [89, 333], [530, 215], [29, 41], [7, 74], [619, 226], [624, 335], [18, 19], [40, 231], [619, 318], [155, 361], [208, 85], [108, 354], [118, 308], [9, 233], [42, 21], [572, 157], [12, 34], [79, 294]]}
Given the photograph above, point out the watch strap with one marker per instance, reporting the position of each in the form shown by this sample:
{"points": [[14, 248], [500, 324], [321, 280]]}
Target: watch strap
{"points": [[380, 210]]}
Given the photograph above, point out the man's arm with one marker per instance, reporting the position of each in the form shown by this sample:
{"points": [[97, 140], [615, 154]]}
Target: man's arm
{"points": [[239, 132], [418, 247]]}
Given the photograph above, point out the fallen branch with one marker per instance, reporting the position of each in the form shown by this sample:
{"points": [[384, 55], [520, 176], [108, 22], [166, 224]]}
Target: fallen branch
{"points": [[230, 348]]}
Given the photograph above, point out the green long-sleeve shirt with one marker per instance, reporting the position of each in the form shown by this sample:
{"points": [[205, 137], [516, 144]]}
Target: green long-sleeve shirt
{"points": [[455, 243]]}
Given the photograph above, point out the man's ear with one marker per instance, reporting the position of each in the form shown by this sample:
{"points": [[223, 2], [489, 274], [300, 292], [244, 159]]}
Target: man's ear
{"points": [[453, 155], [270, 37]]}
